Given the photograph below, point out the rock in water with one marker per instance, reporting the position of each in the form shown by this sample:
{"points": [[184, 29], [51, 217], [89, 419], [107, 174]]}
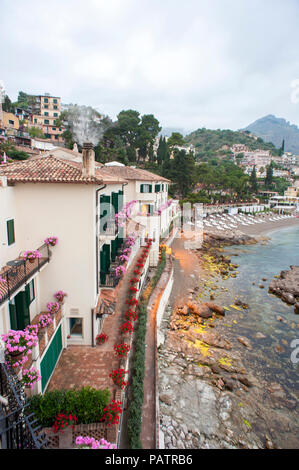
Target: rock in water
{"points": [[216, 308], [297, 309], [245, 342]]}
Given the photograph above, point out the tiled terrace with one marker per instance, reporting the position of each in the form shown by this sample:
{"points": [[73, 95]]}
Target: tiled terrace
{"points": [[90, 366]]}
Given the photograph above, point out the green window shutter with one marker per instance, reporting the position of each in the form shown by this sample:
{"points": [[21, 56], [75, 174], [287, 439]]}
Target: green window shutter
{"points": [[142, 188], [151, 210], [23, 317], [115, 202], [13, 316], [157, 188], [10, 231], [150, 188]]}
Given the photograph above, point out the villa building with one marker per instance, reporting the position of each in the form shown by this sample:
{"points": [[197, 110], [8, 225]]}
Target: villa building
{"points": [[76, 202]]}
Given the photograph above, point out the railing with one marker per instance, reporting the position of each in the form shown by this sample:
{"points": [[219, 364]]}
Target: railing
{"points": [[110, 280], [18, 430], [16, 276]]}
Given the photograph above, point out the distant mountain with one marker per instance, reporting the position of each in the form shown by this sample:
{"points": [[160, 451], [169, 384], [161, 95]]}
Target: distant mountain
{"points": [[167, 131], [273, 129]]}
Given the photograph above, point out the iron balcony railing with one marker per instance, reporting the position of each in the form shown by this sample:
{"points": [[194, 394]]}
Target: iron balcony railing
{"points": [[18, 429], [16, 276]]}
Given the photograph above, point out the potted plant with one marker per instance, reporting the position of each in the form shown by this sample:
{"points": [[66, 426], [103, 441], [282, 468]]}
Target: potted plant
{"points": [[31, 256], [122, 350], [111, 413], [91, 443], [62, 421], [118, 376], [32, 329], [101, 338], [127, 327], [51, 241], [53, 307], [60, 295], [30, 377], [19, 342], [44, 321]]}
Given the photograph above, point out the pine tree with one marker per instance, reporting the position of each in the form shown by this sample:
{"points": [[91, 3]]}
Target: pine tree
{"points": [[253, 180]]}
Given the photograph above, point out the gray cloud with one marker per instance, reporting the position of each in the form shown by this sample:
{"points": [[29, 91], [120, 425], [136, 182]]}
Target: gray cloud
{"points": [[212, 63]]}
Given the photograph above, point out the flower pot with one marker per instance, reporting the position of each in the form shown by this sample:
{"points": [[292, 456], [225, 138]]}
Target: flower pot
{"points": [[31, 260], [17, 353]]}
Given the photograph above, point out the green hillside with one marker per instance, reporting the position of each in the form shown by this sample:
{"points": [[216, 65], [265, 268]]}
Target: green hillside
{"points": [[216, 143]]}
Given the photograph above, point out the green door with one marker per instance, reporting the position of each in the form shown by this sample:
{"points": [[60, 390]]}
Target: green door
{"points": [[50, 359]]}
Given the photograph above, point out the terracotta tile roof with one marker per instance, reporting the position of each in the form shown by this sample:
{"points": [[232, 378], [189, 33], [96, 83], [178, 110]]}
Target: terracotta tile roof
{"points": [[130, 173], [52, 170]]}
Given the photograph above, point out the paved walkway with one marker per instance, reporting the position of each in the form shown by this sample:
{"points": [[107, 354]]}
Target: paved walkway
{"points": [[90, 366], [149, 422]]}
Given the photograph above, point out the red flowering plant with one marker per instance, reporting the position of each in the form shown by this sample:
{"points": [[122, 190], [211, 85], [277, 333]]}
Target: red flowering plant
{"points": [[133, 289], [127, 327], [131, 315], [62, 421], [137, 272], [101, 338], [132, 301], [122, 350], [118, 376], [134, 280], [111, 413]]}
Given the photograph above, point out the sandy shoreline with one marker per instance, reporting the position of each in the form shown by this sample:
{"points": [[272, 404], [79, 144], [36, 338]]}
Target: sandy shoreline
{"points": [[267, 227]]}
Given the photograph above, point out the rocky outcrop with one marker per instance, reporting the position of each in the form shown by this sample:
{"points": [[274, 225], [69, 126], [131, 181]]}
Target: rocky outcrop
{"points": [[229, 238], [286, 286]]}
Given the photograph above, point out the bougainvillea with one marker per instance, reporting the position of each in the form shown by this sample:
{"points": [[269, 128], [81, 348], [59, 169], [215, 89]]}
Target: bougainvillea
{"points": [[62, 421], [122, 350], [112, 412], [118, 376]]}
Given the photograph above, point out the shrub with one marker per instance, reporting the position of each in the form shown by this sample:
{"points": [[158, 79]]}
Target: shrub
{"points": [[87, 404]]}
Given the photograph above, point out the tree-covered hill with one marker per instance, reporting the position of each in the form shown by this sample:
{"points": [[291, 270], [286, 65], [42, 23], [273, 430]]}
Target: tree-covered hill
{"points": [[217, 143]]}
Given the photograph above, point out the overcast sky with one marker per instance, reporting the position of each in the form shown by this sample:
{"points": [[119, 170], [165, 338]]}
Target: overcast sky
{"points": [[192, 63]]}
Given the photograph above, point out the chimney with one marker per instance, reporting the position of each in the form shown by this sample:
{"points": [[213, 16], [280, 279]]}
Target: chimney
{"points": [[88, 168]]}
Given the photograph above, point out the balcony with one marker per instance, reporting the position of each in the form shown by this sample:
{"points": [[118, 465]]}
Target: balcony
{"points": [[17, 272]]}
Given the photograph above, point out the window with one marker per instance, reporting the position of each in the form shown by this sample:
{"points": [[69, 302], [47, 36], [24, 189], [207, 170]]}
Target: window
{"points": [[46, 106], [55, 101], [53, 128], [30, 292], [46, 121], [10, 225], [46, 113], [46, 100], [55, 106], [146, 188], [147, 209], [56, 137], [157, 188], [12, 123], [76, 326], [55, 114], [35, 120]]}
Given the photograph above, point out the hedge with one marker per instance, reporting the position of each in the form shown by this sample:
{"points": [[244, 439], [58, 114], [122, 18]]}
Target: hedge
{"points": [[138, 369], [86, 403]]}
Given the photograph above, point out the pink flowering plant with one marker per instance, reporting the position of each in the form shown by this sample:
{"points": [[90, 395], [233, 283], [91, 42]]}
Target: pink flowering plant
{"points": [[19, 342], [125, 213], [2, 280], [119, 271], [53, 307], [51, 241], [88, 442], [32, 255], [32, 329], [30, 377], [45, 320], [59, 296]]}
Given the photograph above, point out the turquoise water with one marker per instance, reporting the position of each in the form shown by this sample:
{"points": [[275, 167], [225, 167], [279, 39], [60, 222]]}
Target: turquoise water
{"points": [[255, 263]]}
